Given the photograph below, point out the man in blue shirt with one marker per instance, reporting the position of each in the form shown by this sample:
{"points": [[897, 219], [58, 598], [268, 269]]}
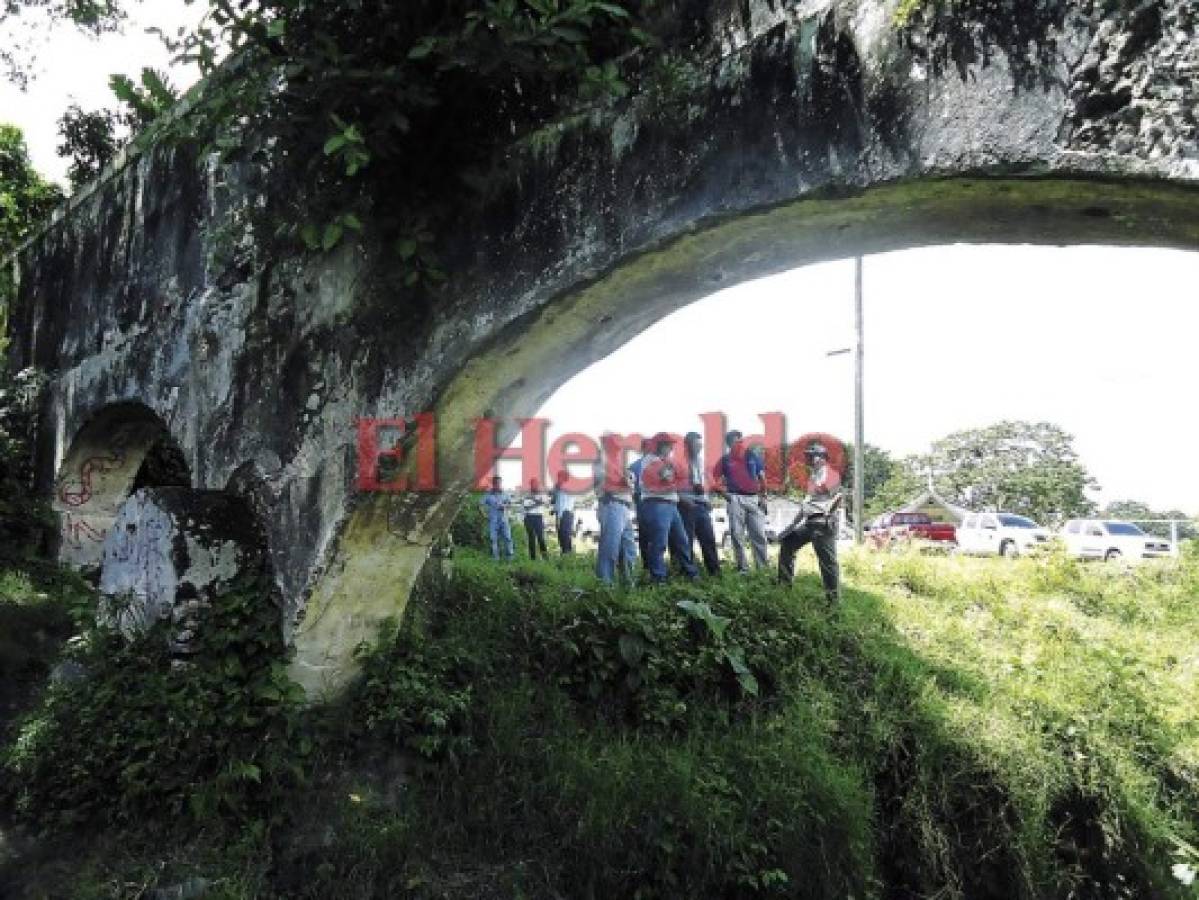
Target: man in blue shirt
{"points": [[495, 503], [741, 480], [634, 470]]}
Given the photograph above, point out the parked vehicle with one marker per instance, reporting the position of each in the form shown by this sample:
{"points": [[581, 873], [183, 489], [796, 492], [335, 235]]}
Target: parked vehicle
{"points": [[1111, 540], [1001, 534], [900, 529]]}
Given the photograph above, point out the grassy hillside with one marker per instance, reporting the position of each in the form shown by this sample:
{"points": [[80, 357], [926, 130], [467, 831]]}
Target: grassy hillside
{"points": [[957, 728]]}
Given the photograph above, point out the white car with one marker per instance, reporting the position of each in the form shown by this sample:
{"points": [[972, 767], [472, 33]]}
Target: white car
{"points": [[1001, 534], [1110, 539]]}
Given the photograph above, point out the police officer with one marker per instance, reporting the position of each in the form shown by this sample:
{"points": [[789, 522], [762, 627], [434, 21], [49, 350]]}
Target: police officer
{"points": [[617, 553], [816, 524], [661, 522], [695, 506], [634, 470], [533, 503], [564, 513], [495, 503]]}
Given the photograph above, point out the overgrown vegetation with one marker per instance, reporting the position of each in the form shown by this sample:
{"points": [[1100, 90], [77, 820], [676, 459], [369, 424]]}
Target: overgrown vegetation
{"points": [[959, 728], [139, 735], [374, 112]]}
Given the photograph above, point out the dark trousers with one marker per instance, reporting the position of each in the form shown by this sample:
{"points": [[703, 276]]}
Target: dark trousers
{"points": [[642, 534], [535, 527], [664, 528], [697, 520], [823, 538], [566, 531]]}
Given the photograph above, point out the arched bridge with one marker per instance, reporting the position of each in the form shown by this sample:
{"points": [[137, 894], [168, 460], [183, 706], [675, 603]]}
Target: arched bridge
{"points": [[793, 132]]}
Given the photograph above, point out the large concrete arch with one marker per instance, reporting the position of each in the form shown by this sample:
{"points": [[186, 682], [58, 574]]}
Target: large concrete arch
{"points": [[787, 132]]}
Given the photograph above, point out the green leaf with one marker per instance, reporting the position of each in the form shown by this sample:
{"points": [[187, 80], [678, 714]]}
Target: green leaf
{"points": [[277, 28], [332, 236], [335, 143], [572, 35]]}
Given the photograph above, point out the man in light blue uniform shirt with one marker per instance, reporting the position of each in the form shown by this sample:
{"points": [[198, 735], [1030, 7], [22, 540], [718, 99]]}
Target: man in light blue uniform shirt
{"points": [[617, 548], [661, 523], [696, 507], [495, 503]]}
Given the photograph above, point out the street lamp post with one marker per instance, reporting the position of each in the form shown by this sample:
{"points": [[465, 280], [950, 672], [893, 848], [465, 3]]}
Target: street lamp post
{"points": [[859, 426], [859, 423]]}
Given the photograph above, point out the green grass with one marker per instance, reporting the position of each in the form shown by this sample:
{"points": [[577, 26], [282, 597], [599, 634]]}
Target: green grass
{"points": [[957, 728]]}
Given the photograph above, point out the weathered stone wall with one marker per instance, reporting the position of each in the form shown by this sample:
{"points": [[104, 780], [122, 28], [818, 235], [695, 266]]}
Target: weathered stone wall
{"points": [[769, 134], [170, 554]]}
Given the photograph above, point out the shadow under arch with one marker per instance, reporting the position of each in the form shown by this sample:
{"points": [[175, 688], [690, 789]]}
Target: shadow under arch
{"points": [[122, 448], [388, 537]]}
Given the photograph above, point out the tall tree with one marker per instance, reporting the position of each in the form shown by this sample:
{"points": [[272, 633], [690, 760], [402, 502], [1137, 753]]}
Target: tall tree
{"points": [[1029, 468], [888, 482], [25, 200], [1143, 513], [906, 480]]}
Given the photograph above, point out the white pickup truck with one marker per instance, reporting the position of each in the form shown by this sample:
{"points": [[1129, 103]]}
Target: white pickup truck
{"points": [[1001, 534], [1111, 540]]}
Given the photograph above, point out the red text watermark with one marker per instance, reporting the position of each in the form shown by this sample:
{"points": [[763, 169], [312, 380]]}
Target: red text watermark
{"points": [[400, 455]]}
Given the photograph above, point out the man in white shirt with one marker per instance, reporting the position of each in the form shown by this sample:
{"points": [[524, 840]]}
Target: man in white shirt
{"points": [[695, 506], [533, 503], [816, 524], [564, 513]]}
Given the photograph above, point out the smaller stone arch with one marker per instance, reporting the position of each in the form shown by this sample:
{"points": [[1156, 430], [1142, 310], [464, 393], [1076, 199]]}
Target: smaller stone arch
{"points": [[121, 449]]}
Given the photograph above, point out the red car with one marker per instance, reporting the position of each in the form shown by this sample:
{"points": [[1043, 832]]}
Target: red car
{"points": [[900, 529]]}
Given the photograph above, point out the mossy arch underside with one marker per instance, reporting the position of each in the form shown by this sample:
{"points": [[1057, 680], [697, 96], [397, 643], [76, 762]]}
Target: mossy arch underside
{"points": [[388, 537]]}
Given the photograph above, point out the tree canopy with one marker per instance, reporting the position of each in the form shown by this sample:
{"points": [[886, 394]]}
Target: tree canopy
{"points": [[25, 200], [1028, 468]]}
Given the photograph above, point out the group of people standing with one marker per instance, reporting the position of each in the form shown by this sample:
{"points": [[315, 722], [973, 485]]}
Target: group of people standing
{"points": [[673, 510], [533, 505]]}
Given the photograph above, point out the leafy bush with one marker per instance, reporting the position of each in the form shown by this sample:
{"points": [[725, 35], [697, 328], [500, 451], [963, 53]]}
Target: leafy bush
{"points": [[470, 525], [143, 735], [957, 728], [24, 517]]}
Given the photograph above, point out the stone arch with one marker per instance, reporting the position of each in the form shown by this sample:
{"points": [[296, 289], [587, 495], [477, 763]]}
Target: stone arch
{"points": [[387, 538], [122, 448]]}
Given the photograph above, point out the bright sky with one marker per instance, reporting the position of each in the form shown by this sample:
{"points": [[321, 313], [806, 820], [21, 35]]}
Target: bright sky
{"points": [[1098, 340], [72, 67]]}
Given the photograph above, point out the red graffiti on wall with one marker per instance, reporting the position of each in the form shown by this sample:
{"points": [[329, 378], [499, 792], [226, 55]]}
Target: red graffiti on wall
{"points": [[76, 493], [76, 531]]}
